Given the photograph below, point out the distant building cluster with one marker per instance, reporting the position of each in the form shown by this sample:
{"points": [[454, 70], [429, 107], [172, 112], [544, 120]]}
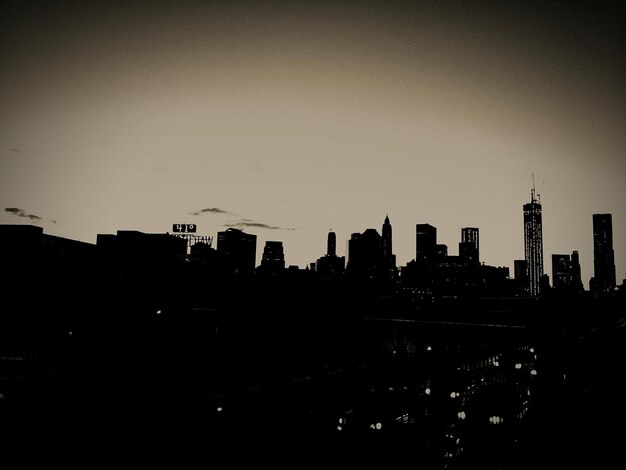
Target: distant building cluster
{"points": [[433, 273]]}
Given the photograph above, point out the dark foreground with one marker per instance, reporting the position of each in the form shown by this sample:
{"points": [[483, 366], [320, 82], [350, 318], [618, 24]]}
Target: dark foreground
{"points": [[487, 384]]}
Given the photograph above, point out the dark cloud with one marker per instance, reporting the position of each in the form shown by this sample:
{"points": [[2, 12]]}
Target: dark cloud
{"points": [[210, 210], [21, 213], [253, 224], [15, 150]]}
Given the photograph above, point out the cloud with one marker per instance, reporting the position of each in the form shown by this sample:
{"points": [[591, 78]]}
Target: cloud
{"points": [[253, 224], [210, 210], [15, 150], [21, 213]]}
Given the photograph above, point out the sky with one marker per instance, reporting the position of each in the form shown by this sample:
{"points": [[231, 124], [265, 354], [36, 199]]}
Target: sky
{"points": [[291, 118]]}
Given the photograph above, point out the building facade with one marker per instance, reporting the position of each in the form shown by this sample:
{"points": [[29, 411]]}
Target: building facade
{"points": [[533, 244], [603, 255]]}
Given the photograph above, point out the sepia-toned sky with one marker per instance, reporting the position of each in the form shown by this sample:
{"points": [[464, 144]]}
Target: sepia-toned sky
{"points": [[291, 118]]}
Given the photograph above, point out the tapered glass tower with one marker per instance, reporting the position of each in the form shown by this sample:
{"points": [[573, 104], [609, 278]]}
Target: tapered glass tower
{"points": [[533, 243]]}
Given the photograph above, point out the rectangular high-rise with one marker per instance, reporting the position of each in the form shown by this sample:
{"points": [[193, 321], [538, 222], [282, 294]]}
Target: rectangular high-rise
{"points": [[425, 241], [239, 248], [468, 248], [561, 272], [603, 255]]}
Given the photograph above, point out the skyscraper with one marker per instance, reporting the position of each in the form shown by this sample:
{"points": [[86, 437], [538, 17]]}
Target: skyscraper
{"points": [[561, 272], [364, 254], [331, 249], [603, 256], [577, 283], [533, 243], [468, 248], [386, 240], [566, 273], [389, 259], [330, 265], [239, 248], [273, 259], [425, 241]]}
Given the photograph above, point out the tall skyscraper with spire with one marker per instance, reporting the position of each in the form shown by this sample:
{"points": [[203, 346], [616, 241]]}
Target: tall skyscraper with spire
{"points": [[603, 255], [389, 259], [533, 243], [386, 241]]}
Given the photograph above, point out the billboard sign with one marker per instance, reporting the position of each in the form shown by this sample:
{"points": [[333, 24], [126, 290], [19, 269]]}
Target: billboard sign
{"points": [[184, 228]]}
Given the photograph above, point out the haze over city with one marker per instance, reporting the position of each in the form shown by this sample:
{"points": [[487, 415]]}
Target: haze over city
{"points": [[288, 119]]}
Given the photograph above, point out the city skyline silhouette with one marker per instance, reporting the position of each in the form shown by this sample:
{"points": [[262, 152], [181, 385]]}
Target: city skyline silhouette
{"points": [[445, 361], [292, 118], [366, 233]]}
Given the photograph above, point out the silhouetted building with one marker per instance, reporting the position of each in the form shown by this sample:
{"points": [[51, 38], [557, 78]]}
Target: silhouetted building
{"points": [[389, 259], [205, 260], [425, 241], [239, 248], [365, 254], [533, 244], [139, 249], [450, 274], [493, 281], [519, 269], [273, 260], [142, 267], [202, 251], [520, 276], [330, 265], [603, 257], [33, 261], [420, 273], [561, 272], [577, 282], [468, 247], [331, 245], [566, 273], [441, 250], [28, 243], [387, 238]]}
